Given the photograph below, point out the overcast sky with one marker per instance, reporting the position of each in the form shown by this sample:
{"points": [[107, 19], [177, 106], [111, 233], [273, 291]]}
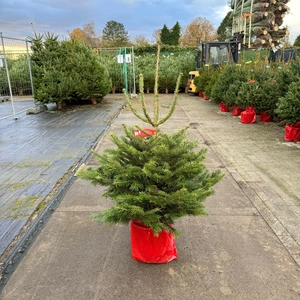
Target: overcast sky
{"points": [[140, 17]]}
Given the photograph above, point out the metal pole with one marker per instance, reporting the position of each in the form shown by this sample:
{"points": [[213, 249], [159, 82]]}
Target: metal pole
{"points": [[29, 66], [133, 69], [8, 78], [125, 70]]}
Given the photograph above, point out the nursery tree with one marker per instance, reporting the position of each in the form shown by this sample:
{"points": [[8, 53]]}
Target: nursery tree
{"points": [[67, 70], [288, 107], [52, 82], [236, 75], [155, 180], [169, 73], [115, 35], [204, 78]]}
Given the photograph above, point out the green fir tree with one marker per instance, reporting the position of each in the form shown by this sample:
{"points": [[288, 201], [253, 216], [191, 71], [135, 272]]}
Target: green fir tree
{"points": [[288, 107], [165, 36], [155, 180]]}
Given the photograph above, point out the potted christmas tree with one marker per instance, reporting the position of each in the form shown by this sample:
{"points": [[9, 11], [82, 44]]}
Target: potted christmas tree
{"points": [[288, 109], [153, 178]]}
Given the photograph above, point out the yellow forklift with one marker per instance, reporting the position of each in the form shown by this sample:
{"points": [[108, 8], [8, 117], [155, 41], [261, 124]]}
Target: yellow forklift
{"points": [[215, 54]]}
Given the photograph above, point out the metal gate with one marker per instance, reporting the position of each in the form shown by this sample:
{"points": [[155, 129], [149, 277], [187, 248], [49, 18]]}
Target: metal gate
{"points": [[16, 86]]}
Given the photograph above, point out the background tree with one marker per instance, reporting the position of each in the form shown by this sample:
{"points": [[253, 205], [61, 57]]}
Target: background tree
{"points": [[199, 30], [224, 30], [175, 34], [87, 35], [170, 36], [297, 41], [165, 35], [115, 35], [156, 35], [140, 40]]}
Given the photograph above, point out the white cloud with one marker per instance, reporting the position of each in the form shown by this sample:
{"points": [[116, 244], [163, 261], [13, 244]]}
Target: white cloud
{"points": [[292, 19]]}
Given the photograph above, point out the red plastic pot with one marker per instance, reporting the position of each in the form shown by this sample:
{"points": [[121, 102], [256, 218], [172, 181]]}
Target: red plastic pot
{"points": [[147, 248], [200, 94], [292, 132], [236, 111], [223, 107], [141, 134], [248, 116], [205, 97], [264, 117]]}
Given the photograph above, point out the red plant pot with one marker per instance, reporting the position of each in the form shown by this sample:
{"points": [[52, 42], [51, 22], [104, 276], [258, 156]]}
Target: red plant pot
{"points": [[223, 107], [292, 132], [141, 134], [264, 117], [147, 248], [200, 94], [236, 111], [248, 116], [205, 97]]}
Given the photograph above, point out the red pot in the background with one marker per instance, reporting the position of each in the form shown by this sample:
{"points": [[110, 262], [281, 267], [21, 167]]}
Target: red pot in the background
{"points": [[248, 116], [205, 97], [200, 94], [141, 134], [292, 132], [147, 248], [223, 107], [264, 117], [236, 111]]}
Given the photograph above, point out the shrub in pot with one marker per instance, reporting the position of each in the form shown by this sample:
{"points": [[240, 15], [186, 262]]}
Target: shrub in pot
{"points": [[288, 109], [227, 86], [215, 73], [202, 81], [249, 94], [269, 99], [289, 74], [153, 181]]}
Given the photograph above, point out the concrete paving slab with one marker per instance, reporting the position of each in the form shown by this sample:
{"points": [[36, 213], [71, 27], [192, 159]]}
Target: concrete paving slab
{"points": [[234, 256]]}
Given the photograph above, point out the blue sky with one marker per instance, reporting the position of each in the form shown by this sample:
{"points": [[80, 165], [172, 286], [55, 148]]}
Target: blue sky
{"points": [[140, 17]]}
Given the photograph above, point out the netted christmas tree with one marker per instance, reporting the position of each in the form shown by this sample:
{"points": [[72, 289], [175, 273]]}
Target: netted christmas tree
{"points": [[156, 179]]}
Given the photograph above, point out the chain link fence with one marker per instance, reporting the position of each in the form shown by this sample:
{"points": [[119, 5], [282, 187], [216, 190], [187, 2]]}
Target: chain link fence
{"points": [[16, 86]]}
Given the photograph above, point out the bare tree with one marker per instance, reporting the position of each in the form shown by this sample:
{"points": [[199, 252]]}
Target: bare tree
{"points": [[140, 40], [86, 35], [199, 30], [156, 35]]}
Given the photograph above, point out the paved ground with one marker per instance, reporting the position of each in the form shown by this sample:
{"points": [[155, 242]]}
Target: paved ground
{"points": [[37, 151], [20, 105], [248, 248]]}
